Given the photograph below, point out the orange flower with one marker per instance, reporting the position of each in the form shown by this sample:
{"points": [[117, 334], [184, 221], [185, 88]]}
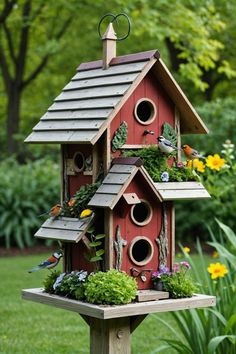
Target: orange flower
{"points": [[71, 202]]}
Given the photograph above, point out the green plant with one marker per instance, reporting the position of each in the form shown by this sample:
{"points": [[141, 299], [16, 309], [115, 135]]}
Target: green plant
{"points": [[71, 285], [111, 287], [50, 280], [218, 174], [210, 331], [156, 163], [177, 282], [96, 250], [26, 191], [74, 206]]}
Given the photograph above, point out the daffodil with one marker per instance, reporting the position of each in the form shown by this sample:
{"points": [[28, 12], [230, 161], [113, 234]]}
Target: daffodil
{"points": [[186, 249], [217, 270], [215, 162]]}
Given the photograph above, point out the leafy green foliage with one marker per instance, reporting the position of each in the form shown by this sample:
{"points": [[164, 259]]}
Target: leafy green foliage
{"points": [[156, 163], [112, 287], [80, 200], [179, 285], [210, 331], [71, 285], [120, 136], [96, 247], [50, 280], [221, 185], [26, 192], [169, 133]]}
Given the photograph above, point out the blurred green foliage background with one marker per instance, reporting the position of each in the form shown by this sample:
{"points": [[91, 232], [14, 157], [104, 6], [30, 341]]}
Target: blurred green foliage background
{"points": [[41, 45]]}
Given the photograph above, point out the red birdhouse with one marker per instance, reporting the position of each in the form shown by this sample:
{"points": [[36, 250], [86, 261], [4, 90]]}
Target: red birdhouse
{"points": [[109, 106]]}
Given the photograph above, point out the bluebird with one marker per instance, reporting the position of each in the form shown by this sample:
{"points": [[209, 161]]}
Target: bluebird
{"points": [[54, 211], [165, 145], [191, 153], [49, 263]]}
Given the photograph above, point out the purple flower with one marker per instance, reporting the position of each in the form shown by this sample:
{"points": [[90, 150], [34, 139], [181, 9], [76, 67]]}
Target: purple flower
{"points": [[180, 164], [165, 176]]}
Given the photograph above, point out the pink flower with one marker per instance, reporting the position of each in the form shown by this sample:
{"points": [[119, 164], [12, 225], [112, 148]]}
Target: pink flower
{"points": [[175, 267], [185, 264]]}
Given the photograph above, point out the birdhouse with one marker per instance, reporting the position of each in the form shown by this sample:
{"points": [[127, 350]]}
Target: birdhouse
{"points": [[111, 106]]}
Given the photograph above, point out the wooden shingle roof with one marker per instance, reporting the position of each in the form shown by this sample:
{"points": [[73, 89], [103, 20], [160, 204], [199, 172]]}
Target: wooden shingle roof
{"points": [[115, 184], [91, 97], [63, 229]]}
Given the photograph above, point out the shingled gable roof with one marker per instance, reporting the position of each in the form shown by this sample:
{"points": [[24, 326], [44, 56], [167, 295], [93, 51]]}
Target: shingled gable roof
{"points": [[115, 183], [82, 112]]}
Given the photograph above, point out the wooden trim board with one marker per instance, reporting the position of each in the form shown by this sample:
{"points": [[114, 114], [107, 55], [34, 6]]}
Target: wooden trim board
{"points": [[116, 311]]}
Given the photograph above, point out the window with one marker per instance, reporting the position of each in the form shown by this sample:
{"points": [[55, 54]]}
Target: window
{"points": [[141, 250], [141, 213], [145, 111]]}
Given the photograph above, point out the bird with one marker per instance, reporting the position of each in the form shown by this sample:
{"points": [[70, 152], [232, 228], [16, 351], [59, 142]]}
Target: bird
{"points": [[86, 215], [49, 263], [165, 145], [54, 211], [191, 153]]}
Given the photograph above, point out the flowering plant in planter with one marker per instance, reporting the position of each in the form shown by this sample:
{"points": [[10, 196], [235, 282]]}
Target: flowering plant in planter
{"points": [[178, 283]]}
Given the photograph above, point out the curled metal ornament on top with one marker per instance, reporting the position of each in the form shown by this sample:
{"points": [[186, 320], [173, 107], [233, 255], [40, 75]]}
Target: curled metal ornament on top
{"points": [[114, 18]]}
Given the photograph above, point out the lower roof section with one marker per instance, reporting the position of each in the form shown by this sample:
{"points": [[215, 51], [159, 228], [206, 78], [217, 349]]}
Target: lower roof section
{"points": [[181, 190]]}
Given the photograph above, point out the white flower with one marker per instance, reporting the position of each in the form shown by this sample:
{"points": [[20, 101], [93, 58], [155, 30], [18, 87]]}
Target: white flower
{"points": [[165, 176]]}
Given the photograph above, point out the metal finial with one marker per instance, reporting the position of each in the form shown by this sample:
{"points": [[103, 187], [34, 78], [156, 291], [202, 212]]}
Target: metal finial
{"points": [[114, 18]]}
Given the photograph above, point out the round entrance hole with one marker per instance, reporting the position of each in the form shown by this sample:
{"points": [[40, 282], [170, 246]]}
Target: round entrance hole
{"points": [[145, 111], [141, 250], [78, 161], [141, 213]]}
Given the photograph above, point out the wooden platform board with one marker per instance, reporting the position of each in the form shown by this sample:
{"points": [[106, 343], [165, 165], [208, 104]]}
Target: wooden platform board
{"points": [[117, 311], [150, 295]]}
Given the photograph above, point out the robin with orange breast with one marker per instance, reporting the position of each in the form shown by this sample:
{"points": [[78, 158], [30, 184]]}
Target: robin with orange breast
{"points": [[191, 153], [54, 211]]}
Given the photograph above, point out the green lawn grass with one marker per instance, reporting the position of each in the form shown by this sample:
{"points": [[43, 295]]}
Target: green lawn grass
{"points": [[28, 327]]}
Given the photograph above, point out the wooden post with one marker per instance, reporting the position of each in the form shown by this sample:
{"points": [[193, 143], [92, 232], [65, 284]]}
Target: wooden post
{"points": [[110, 336]]}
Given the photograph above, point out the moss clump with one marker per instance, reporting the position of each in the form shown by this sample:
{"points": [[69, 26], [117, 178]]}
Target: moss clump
{"points": [[156, 163]]}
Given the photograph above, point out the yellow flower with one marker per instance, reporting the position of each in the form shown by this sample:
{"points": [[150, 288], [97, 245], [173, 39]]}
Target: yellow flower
{"points": [[215, 162], [197, 165], [217, 270], [186, 249], [215, 254]]}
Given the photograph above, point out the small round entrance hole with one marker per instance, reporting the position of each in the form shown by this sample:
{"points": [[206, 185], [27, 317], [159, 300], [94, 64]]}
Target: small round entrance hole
{"points": [[141, 213], [145, 111], [141, 250], [78, 161]]}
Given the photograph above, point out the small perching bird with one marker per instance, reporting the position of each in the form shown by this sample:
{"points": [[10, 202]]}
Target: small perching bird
{"points": [[165, 145], [86, 215], [54, 211], [49, 263], [191, 153]]}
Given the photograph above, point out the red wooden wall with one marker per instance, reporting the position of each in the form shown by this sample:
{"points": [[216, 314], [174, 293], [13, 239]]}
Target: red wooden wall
{"points": [[148, 88], [129, 230]]}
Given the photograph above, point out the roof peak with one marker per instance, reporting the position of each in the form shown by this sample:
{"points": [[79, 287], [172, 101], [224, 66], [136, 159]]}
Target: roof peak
{"points": [[123, 59]]}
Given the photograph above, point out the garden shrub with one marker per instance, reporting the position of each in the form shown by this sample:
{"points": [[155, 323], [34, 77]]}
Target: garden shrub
{"points": [[220, 181], [50, 280], [112, 287], [210, 330], [26, 192]]}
